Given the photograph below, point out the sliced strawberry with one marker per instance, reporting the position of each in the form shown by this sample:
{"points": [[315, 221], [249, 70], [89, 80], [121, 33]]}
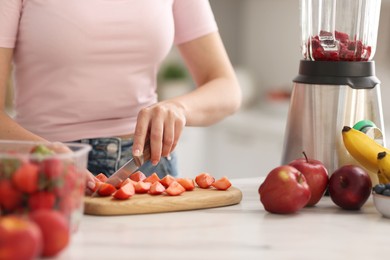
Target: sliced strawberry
{"points": [[125, 192], [137, 176], [156, 188], [204, 180], [167, 180], [175, 189], [222, 184], [106, 189], [41, 200], [101, 177], [26, 177], [187, 183], [152, 178], [142, 187], [10, 198]]}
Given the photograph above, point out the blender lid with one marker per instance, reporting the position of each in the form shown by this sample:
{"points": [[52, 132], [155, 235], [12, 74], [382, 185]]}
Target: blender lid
{"points": [[359, 75]]}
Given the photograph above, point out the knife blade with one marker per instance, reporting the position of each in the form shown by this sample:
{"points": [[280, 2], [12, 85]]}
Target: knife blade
{"points": [[129, 167]]}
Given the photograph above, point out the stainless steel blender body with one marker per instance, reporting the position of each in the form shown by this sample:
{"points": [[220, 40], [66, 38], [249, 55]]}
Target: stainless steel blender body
{"points": [[326, 97]]}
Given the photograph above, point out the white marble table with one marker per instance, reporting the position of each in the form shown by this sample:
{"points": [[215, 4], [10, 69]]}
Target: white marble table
{"points": [[243, 231]]}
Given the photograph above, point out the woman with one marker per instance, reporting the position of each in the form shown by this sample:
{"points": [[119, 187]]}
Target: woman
{"points": [[85, 71]]}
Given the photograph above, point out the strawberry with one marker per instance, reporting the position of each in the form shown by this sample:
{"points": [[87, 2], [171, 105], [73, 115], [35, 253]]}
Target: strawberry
{"points": [[156, 188], [167, 180], [175, 189], [10, 198], [52, 168], [101, 177], [204, 180], [137, 176], [125, 192], [26, 178], [187, 183], [152, 178], [106, 189], [222, 184], [142, 187], [41, 200]]}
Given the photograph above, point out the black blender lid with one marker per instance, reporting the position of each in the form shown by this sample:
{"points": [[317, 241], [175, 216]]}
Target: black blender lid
{"points": [[356, 74]]}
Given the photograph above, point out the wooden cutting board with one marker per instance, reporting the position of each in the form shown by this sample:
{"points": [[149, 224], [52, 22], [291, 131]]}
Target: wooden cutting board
{"points": [[145, 203]]}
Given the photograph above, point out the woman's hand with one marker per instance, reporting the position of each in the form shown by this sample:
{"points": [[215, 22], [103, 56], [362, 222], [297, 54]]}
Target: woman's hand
{"points": [[162, 124], [90, 184]]}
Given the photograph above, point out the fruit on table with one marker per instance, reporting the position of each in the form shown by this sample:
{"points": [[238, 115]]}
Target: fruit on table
{"points": [[284, 190], [316, 176], [383, 189], [222, 183], [187, 183], [349, 187], [55, 230], [153, 185], [156, 188], [362, 148], [384, 167], [175, 189], [20, 238], [101, 177], [152, 178], [137, 176], [125, 191], [204, 180]]}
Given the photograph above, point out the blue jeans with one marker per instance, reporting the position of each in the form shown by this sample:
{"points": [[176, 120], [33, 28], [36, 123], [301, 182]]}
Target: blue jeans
{"points": [[109, 154]]}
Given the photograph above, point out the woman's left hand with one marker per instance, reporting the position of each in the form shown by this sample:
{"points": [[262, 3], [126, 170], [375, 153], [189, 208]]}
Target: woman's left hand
{"points": [[161, 123]]}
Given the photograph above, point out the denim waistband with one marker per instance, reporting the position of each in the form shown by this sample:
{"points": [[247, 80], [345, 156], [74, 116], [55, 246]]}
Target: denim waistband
{"points": [[108, 154]]}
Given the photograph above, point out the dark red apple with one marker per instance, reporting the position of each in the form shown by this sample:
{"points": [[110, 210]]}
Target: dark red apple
{"points": [[284, 190], [349, 187], [316, 176]]}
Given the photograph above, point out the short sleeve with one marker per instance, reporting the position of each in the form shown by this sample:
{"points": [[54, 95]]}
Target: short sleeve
{"points": [[193, 19], [10, 11]]}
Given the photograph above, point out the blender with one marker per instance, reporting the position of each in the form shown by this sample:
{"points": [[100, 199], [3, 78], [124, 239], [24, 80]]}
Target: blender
{"points": [[336, 85]]}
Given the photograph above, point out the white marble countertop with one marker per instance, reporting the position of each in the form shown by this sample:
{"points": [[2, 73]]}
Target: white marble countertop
{"points": [[243, 231]]}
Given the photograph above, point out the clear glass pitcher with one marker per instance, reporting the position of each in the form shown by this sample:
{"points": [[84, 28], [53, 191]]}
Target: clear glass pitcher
{"points": [[339, 30]]}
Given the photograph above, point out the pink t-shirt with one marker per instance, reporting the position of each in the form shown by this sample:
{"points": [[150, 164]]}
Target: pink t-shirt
{"points": [[84, 69]]}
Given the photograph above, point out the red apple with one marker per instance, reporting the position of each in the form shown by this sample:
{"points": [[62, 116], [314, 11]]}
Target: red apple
{"points": [[55, 230], [316, 176], [349, 187], [19, 238], [284, 190]]}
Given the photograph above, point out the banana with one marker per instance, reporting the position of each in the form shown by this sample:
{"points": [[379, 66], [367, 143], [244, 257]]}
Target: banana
{"points": [[384, 167], [362, 148]]}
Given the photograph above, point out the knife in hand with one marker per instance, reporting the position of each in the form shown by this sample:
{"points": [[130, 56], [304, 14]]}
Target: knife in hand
{"points": [[130, 167]]}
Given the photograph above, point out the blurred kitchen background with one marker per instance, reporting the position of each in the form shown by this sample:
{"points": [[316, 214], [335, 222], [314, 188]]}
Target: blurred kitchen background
{"points": [[262, 38]]}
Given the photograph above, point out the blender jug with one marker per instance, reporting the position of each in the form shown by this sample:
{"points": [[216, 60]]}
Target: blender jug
{"points": [[336, 85]]}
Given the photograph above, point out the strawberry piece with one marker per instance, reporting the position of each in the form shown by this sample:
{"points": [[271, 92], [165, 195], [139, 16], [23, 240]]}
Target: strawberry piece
{"points": [[204, 180], [152, 178], [187, 183], [10, 198], [156, 188], [106, 189], [222, 184], [41, 200], [26, 177], [125, 192], [142, 187], [101, 177], [175, 189], [137, 176], [167, 180]]}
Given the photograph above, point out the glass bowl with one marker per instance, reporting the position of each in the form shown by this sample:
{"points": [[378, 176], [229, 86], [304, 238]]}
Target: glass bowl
{"points": [[382, 204], [37, 175]]}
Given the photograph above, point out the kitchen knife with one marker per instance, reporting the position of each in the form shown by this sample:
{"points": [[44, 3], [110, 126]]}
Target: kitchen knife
{"points": [[128, 168]]}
